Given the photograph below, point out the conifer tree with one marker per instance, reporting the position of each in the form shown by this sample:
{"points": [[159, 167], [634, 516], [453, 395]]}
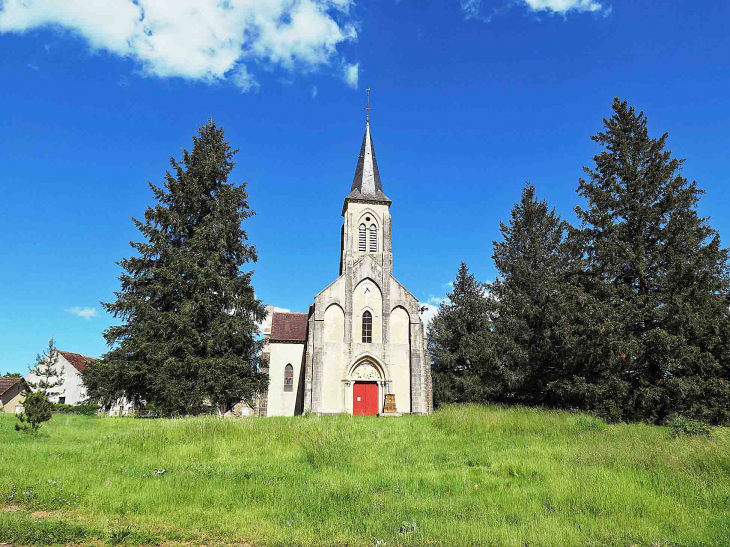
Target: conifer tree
{"points": [[463, 362], [49, 375], [530, 297], [36, 410], [655, 282], [189, 313], [37, 407]]}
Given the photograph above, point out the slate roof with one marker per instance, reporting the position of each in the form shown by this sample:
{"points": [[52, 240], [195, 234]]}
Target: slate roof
{"points": [[289, 327], [366, 182], [7, 383], [78, 361]]}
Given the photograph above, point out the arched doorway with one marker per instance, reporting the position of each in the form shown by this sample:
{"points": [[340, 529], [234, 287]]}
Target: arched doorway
{"points": [[364, 388]]}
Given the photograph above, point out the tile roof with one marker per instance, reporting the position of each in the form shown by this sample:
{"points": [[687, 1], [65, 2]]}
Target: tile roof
{"points": [[77, 360], [7, 383], [289, 326]]}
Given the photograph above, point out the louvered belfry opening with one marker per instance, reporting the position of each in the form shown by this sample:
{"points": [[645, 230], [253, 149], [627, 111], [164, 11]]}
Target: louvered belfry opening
{"points": [[373, 239], [367, 328], [289, 378], [363, 238]]}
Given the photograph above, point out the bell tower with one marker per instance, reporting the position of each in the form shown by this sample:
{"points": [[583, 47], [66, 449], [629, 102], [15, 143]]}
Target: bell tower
{"points": [[365, 343], [366, 230]]}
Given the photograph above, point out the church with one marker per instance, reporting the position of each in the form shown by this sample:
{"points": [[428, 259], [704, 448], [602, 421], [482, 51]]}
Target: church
{"points": [[361, 348]]}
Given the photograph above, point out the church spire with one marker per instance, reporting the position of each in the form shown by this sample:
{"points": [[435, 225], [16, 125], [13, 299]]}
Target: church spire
{"points": [[366, 184]]}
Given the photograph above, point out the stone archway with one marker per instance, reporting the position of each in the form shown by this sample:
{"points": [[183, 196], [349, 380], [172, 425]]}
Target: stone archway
{"points": [[364, 370]]}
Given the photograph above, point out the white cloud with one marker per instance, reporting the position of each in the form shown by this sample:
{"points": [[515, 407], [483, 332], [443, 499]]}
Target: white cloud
{"points": [[351, 74], [314, 92], [33, 67], [428, 314], [563, 6], [432, 306], [244, 79], [206, 40], [436, 300], [449, 285], [86, 312], [472, 8]]}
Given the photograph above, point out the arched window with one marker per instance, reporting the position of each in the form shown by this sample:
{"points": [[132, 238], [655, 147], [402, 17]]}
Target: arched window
{"points": [[289, 378], [373, 238], [367, 328], [363, 238]]}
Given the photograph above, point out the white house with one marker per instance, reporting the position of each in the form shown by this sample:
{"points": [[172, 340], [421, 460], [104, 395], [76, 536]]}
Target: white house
{"points": [[72, 391], [12, 395]]}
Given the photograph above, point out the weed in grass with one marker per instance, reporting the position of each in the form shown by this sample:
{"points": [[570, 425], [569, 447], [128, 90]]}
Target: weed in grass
{"points": [[119, 535], [407, 527], [24, 530], [590, 423], [684, 427], [123, 534]]}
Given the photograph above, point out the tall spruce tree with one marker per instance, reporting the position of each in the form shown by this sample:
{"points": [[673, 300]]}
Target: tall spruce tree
{"points": [[189, 313], [463, 362], [530, 297], [655, 284]]}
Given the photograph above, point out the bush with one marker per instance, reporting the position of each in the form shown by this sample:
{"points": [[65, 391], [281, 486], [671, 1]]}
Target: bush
{"points": [[37, 410], [684, 427], [83, 410]]}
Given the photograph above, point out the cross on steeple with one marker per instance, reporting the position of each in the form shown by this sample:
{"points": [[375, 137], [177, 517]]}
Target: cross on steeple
{"points": [[367, 109]]}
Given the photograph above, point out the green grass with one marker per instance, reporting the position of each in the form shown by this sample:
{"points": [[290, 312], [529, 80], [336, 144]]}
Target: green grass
{"points": [[465, 476]]}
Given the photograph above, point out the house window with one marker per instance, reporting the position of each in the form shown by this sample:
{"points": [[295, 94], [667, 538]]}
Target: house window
{"points": [[373, 238], [62, 400], [367, 328], [289, 378], [363, 238]]}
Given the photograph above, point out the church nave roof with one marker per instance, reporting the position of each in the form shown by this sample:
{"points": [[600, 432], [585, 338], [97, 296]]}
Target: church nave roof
{"points": [[288, 327]]}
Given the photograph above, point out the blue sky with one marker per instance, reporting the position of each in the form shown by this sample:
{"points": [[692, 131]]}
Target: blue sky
{"points": [[471, 99]]}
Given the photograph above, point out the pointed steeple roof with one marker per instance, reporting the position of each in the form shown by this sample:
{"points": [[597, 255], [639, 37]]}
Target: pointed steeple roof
{"points": [[366, 185]]}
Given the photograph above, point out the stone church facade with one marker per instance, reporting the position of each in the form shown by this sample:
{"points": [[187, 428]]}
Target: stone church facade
{"points": [[361, 347]]}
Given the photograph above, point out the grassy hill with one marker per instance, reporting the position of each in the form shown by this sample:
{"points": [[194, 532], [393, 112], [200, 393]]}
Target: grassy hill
{"points": [[465, 476]]}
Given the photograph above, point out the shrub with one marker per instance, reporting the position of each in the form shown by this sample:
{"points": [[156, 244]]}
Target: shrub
{"points": [[83, 410], [37, 410], [684, 427]]}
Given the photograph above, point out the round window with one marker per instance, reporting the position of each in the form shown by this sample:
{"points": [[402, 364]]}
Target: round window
{"points": [[367, 219]]}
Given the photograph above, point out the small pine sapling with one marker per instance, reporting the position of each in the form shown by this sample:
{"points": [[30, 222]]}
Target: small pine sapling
{"points": [[46, 369], [38, 409]]}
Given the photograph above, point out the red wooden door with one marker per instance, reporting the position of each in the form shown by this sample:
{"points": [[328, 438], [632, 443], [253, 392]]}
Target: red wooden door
{"points": [[365, 399]]}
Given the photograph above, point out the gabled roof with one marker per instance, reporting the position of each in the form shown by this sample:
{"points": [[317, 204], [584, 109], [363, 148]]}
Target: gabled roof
{"points": [[7, 383], [366, 184], [78, 361], [289, 327]]}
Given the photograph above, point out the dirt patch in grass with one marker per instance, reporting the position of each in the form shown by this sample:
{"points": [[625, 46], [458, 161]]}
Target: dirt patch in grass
{"points": [[11, 509], [40, 514]]}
